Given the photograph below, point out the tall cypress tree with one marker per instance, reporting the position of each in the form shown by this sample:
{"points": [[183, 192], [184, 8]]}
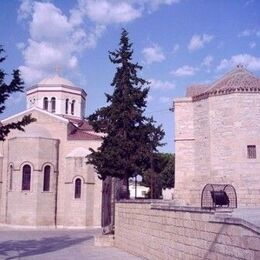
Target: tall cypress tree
{"points": [[130, 137], [16, 85]]}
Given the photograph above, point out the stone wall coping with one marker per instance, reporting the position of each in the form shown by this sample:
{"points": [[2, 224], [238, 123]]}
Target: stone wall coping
{"points": [[235, 221], [137, 201], [247, 217], [169, 206], [221, 215]]}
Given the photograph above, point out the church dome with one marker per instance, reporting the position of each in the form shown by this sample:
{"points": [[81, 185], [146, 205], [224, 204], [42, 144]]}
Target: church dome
{"points": [[57, 95], [238, 80], [56, 80]]}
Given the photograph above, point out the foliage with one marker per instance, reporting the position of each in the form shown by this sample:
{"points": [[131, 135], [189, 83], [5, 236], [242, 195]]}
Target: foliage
{"points": [[16, 85], [161, 175], [168, 171], [130, 138]]}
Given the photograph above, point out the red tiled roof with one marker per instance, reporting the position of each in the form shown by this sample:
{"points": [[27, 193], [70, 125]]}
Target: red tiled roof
{"points": [[81, 130], [238, 80], [83, 135]]}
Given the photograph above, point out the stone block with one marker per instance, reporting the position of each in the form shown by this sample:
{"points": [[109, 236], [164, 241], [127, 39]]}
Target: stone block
{"points": [[104, 240]]}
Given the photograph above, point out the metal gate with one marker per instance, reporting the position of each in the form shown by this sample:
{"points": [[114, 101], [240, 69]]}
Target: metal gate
{"points": [[106, 205], [113, 190]]}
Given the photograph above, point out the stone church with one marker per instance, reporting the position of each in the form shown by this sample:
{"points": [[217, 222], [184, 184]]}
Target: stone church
{"points": [[217, 138], [44, 178]]}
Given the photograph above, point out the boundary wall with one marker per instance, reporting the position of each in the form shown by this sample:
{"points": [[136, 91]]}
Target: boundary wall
{"points": [[162, 231]]}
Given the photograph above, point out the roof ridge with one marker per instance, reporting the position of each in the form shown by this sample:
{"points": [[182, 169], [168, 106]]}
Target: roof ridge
{"points": [[237, 80], [232, 72]]}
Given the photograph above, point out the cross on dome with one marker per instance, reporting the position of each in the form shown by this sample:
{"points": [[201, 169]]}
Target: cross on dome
{"points": [[240, 66]]}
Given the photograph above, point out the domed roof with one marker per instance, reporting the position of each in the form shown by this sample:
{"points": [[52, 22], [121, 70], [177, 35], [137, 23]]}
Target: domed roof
{"points": [[56, 80], [238, 80]]}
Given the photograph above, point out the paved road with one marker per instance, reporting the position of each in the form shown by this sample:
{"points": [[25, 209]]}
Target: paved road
{"points": [[62, 244]]}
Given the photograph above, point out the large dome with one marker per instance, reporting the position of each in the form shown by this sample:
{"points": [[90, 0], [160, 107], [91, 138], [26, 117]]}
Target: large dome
{"points": [[56, 80], [238, 80]]}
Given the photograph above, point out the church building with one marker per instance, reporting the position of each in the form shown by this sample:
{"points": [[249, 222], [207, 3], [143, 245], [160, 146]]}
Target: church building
{"points": [[44, 178], [217, 138]]}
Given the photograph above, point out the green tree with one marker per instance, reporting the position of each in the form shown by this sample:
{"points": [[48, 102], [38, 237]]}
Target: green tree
{"points": [[16, 85], [161, 175], [167, 173], [130, 137]]}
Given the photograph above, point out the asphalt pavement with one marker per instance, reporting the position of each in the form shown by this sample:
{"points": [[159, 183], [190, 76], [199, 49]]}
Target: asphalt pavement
{"points": [[54, 244]]}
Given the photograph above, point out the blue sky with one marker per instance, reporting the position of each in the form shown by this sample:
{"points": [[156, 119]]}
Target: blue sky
{"points": [[178, 43]]}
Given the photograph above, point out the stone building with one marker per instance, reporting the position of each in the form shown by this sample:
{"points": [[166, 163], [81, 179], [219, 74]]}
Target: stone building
{"points": [[217, 139], [44, 178]]}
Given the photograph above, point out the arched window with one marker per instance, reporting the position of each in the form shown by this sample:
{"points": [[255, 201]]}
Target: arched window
{"points": [[26, 180], [77, 188], [72, 107], [67, 106], [11, 178], [45, 103], [46, 178], [53, 104]]}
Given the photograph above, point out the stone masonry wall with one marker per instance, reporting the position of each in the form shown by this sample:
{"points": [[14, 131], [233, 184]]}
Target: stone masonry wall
{"points": [[211, 140], [184, 146], [35, 207], [157, 232]]}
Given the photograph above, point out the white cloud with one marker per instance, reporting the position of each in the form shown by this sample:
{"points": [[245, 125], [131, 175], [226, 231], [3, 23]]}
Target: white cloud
{"points": [[20, 45], [244, 33], [58, 39], [249, 32], [25, 9], [207, 61], [252, 45], [119, 11], [54, 39], [162, 85], [165, 100], [154, 4], [48, 23], [199, 41], [184, 71], [176, 47], [153, 54], [106, 12], [251, 62]]}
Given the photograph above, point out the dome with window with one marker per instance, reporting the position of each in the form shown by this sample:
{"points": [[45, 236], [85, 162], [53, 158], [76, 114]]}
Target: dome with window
{"points": [[59, 96]]}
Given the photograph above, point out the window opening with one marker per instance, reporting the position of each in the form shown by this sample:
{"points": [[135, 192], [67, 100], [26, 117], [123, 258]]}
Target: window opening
{"points": [[72, 107], [53, 104], [251, 151], [26, 180], [11, 178], [46, 178], [45, 103], [77, 188], [67, 106]]}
